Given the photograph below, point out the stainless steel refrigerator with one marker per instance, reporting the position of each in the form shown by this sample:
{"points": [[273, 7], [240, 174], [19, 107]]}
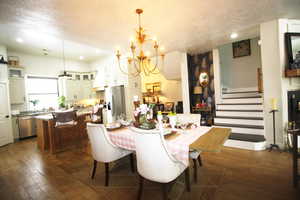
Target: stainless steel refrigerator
{"points": [[115, 101]]}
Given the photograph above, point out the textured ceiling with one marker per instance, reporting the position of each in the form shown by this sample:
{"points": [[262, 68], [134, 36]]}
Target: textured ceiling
{"points": [[192, 25]]}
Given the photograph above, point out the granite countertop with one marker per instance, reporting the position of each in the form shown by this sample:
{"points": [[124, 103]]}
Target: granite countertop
{"points": [[49, 116], [31, 113], [44, 117]]}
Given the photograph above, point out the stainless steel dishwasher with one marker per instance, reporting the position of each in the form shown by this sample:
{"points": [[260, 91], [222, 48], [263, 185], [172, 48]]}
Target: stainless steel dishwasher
{"points": [[27, 126]]}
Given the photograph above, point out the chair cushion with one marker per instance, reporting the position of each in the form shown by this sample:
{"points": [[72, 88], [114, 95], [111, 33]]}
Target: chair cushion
{"points": [[194, 154]]}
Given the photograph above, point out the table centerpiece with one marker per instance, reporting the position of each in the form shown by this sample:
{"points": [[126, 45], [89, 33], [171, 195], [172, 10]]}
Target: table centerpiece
{"points": [[143, 115]]}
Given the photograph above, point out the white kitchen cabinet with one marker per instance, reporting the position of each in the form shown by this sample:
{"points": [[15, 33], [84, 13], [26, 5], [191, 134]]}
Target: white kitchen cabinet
{"points": [[17, 90], [71, 92], [76, 90]]}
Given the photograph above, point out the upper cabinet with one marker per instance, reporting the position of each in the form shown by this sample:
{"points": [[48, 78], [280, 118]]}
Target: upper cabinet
{"points": [[17, 90], [171, 67], [75, 90]]}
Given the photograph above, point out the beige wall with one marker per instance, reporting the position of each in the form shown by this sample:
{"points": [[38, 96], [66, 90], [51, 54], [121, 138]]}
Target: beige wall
{"points": [[275, 83], [239, 72], [171, 89]]}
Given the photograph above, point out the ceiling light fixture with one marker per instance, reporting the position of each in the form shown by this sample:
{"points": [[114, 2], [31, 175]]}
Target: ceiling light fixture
{"points": [[81, 57], [20, 40], [234, 35], [138, 60], [97, 51], [64, 74]]}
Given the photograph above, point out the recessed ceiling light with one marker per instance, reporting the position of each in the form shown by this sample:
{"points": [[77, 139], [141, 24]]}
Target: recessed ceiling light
{"points": [[234, 35], [20, 40], [81, 57]]}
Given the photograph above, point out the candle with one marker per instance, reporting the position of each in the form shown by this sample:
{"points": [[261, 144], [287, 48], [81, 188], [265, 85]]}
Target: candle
{"points": [[135, 98], [274, 103]]}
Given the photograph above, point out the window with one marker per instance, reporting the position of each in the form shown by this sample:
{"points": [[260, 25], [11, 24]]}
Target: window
{"points": [[44, 90]]}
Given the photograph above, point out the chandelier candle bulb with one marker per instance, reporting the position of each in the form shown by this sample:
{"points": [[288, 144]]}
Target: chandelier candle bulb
{"points": [[274, 103]]}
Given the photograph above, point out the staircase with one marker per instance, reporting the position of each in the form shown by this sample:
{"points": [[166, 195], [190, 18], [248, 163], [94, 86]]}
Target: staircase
{"points": [[242, 111]]}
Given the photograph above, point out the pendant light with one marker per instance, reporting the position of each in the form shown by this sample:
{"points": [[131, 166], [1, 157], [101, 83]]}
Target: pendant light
{"points": [[64, 74]]}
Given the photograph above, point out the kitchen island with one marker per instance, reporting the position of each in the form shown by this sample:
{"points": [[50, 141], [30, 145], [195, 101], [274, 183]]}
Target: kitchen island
{"points": [[51, 138]]}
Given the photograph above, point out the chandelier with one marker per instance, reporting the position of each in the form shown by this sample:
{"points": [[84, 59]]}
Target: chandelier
{"points": [[139, 59]]}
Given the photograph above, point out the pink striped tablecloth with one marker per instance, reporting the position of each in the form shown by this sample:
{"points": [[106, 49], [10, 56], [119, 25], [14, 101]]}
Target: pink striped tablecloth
{"points": [[178, 147]]}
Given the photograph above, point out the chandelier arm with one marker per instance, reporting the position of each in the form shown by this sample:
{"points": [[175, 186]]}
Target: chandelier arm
{"points": [[138, 69], [146, 72], [132, 74]]}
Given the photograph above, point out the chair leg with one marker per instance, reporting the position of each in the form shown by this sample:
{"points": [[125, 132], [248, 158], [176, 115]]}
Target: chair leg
{"points": [[106, 173], [132, 163], [187, 179], [94, 169], [195, 170], [200, 160], [165, 191], [141, 187]]}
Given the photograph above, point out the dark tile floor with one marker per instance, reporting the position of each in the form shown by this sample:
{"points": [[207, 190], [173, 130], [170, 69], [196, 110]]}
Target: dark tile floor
{"points": [[233, 174]]}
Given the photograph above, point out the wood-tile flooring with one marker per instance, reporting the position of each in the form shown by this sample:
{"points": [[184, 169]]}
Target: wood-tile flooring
{"points": [[233, 174]]}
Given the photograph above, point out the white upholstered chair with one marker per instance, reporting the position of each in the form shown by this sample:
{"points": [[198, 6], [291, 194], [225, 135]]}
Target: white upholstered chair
{"points": [[155, 163], [194, 154], [103, 150]]}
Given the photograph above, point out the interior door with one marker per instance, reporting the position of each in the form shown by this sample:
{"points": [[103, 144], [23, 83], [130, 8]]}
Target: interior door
{"points": [[5, 121]]}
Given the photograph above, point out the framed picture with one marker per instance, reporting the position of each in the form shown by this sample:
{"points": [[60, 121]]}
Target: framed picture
{"points": [[241, 48]]}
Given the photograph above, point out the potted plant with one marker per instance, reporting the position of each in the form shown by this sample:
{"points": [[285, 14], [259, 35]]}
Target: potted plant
{"points": [[34, 103], [62, 102]]}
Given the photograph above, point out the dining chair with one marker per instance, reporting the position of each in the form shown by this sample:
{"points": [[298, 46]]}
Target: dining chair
{"points": [[193, 154], [155, 163], [65, 130], [103, 150]]}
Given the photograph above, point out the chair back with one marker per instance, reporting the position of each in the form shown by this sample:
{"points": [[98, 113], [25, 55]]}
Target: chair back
{"points": [[103, 150], [189, 118], [67, 117], [154, 162]]}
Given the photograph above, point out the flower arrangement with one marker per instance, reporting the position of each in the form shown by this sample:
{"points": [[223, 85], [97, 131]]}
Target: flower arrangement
{"points": [[143, 116]]}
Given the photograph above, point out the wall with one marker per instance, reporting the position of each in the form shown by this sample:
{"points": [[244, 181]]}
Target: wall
{"points": [[239, 72], [198, 63], [171, 89], [47, 66], [275, 83]]}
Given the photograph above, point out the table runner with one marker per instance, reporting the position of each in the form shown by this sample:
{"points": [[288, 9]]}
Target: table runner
{"points": [[212, 141]]}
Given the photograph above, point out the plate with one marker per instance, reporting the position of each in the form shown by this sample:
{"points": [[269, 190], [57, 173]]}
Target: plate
{"points": [[113, 125]]}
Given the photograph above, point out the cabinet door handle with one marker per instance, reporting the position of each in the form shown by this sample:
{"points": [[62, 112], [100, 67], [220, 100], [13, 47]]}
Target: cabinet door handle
{"points": [[6, 116]]}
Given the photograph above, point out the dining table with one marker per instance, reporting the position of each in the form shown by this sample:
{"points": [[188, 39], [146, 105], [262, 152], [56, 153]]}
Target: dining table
{"points": [[179, 142]]}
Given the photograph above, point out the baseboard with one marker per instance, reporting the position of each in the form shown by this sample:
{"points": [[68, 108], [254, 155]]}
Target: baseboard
{"points": [[254, 146]]}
